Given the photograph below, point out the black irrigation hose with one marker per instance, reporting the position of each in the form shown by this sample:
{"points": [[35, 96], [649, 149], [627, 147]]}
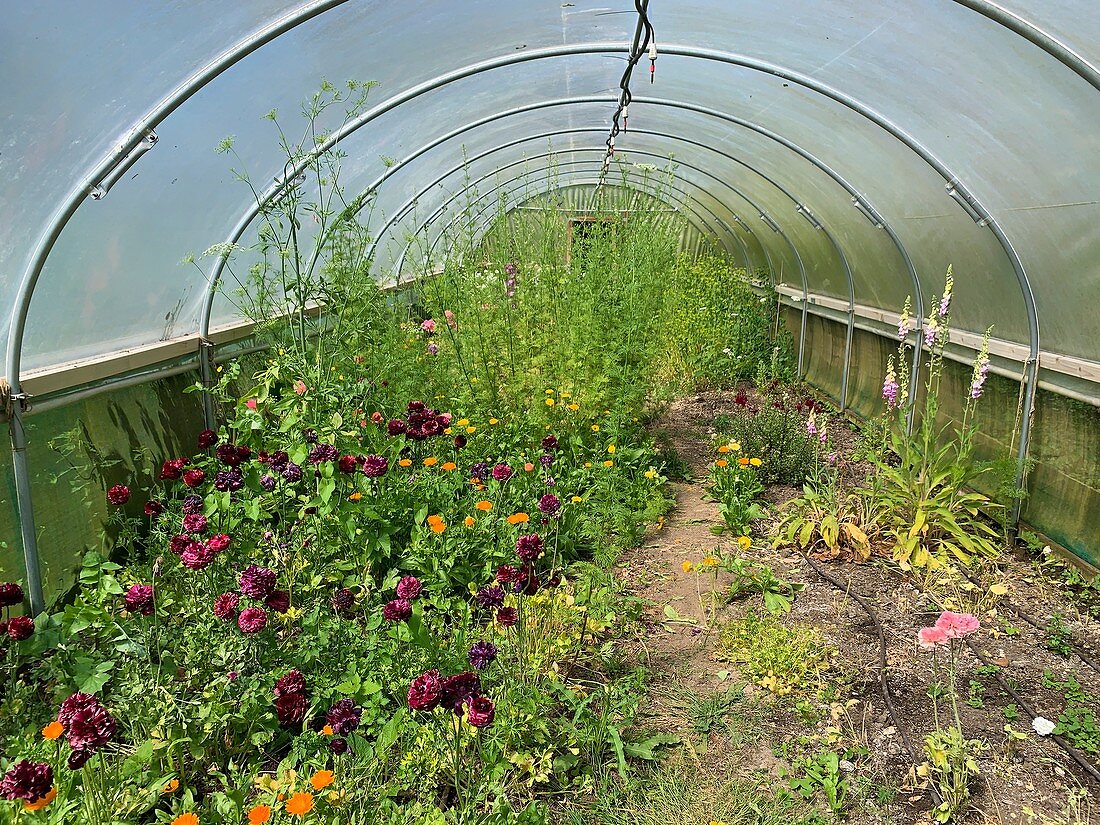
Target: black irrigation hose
{"points": [[883, 666], [1007, 603], [1074, 754]]}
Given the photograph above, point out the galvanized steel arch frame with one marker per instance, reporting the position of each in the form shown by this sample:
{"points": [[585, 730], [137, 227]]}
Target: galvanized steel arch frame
{"points": [[752, 204]]}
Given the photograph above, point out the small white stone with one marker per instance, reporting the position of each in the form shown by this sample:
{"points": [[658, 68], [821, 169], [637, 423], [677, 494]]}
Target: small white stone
{"points": [[1043, 727]]}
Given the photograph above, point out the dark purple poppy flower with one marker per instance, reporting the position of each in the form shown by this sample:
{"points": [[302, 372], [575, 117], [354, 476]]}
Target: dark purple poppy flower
{"points": [[29, 781], [399, 610], [482, 655], [139, 599]]}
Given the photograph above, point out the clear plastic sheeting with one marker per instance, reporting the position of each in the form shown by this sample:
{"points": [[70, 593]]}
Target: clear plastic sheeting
{"points": [[886, 97]]}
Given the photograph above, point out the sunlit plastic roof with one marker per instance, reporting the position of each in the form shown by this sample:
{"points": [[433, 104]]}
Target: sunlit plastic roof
{"points": [[917, 135]]}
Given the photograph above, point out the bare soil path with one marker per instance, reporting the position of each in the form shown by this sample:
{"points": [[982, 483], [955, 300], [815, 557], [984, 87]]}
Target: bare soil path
{"points": [[759, 737]]}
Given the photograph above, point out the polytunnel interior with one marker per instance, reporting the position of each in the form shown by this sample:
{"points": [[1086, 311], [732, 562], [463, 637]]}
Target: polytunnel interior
{"points": [[845, 153]]}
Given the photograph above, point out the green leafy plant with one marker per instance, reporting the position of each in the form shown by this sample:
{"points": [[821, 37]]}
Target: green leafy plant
{"points": [[821, 772], [785, 659], [923, 478]]}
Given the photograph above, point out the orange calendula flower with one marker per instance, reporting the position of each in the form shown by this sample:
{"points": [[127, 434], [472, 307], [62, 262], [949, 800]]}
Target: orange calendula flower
{"points": [[327, 730], [53, 730], [439, 527], [405, 462], [435, 519], [259, 815], [41, 802], [448, 466], [721, 463], [469, 521], [528, 467], [171, 787], [431, 461], [355, 496], [744, 462], [322, 779], [518, 518], [186, 819], [300, 804], [484, 506], [725, 448]]}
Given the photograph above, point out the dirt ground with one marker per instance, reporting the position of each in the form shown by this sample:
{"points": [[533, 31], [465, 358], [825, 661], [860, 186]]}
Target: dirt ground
{"points": [[1022, 780]]}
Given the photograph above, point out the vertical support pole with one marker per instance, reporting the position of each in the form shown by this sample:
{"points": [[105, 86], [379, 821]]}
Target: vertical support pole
{"points": [[25, 504], [1031, 376], [847, 357], [206, 369]]}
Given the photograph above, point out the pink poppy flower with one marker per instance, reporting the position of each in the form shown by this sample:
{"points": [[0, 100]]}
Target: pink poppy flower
{"points": [[300, 387], [957, 625], [929, 637], [428, 326], [251, 403]]}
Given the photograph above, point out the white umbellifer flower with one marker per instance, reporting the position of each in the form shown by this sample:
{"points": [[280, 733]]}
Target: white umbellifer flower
{"points": [[1043, 727]]}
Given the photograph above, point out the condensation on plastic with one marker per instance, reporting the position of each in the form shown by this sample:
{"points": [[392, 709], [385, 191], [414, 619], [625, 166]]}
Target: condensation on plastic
{"points": [[1019, 128]]}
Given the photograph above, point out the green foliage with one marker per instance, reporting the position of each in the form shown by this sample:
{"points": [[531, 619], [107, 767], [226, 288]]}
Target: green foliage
{"points": [[750, 578], [735, 487], [952, 764], [784, 658], [1059, 636], [924, 477], [1077, 722], [821, 773], [773, 426], [827, 522]]}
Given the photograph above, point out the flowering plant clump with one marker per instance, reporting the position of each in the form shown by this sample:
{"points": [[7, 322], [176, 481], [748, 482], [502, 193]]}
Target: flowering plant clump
{"points": [[924, 478]]}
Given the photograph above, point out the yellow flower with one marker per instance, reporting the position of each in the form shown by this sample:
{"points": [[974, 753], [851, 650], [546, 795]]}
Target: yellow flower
{"points": [[53, 730], [431, 461], [595, 428], [299, 805], [576, 499], [744, 542], [549, 402], [447, 431], [549, 392], [686, 566], [574, 407], [172, 786], [710, 561], [609, 463], [650, 473], [588, 464], [494, 421], [42, 802], [735, 446], [469, 521], [355, 496], [755, 462], [518, 518], [484, 506], [322, 779], [463, 422], [611, 448], [472, 430]]}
